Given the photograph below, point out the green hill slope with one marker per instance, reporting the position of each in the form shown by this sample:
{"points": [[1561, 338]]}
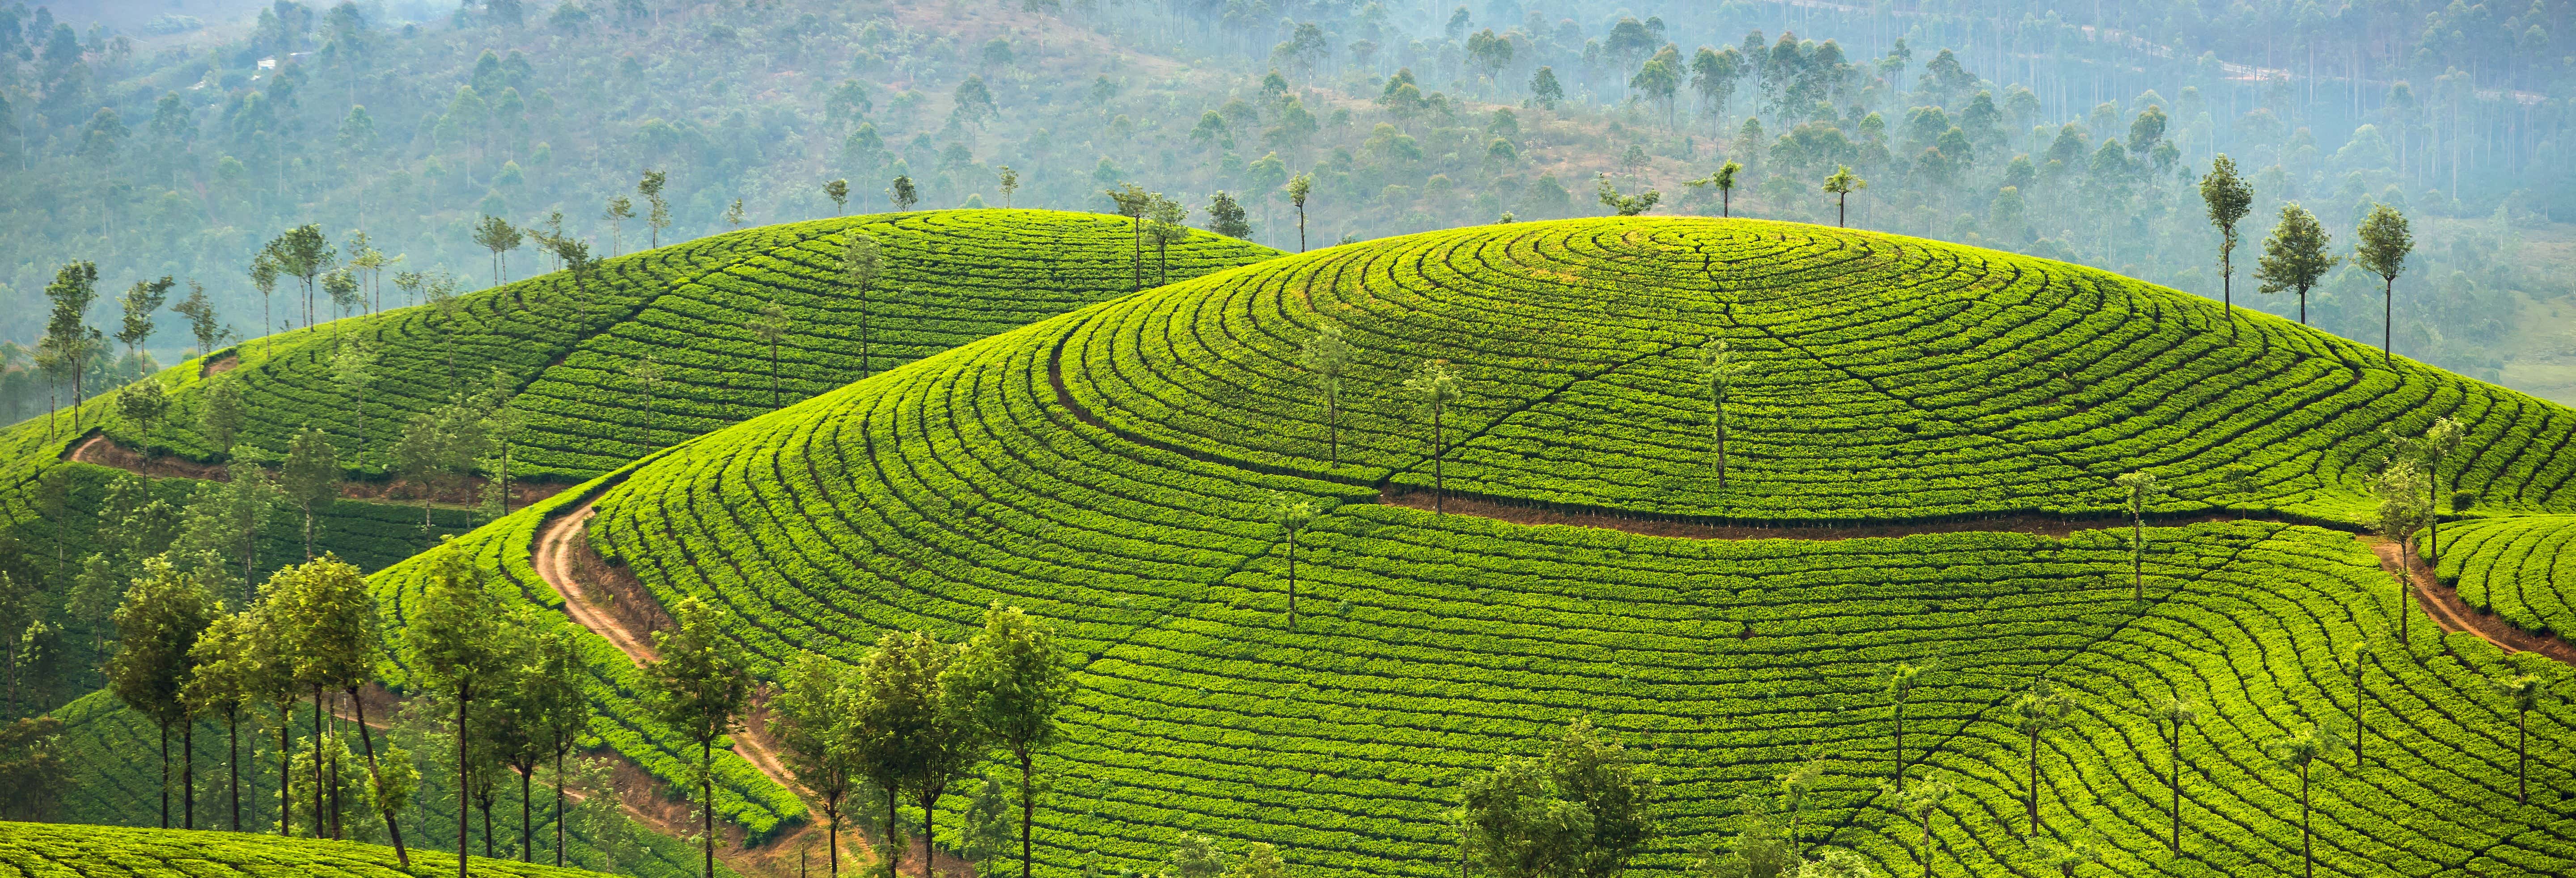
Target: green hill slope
{"points": [[1114, 471], [42, 850]]}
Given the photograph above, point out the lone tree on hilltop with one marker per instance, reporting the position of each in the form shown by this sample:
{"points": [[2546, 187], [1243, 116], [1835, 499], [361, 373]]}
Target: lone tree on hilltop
{"points": [[839, 192], [902, 193], [500, 237], [2172, 715], [2385, 241], [1842, 184], [862, 262], [1902, 680], [1226, 216], [1006, 181], [2228, 197], [814, 719], [1133, 203], [1625, 205], [1719, 369], [1009, 683], [657, 213], [2037, 712], [2139, 489], [1919, 805], [2524, 691], [1299, 187], [2295, 257], [619, 210], [700, 686], [1724, 180], [1438, 387], [2298, 752], [769, 326], [1326, 356], [1165, 222], [453, 643], [1292, 514]]}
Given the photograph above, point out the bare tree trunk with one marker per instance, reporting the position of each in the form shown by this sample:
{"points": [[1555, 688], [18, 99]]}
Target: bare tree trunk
{"points": [[368, 739]]}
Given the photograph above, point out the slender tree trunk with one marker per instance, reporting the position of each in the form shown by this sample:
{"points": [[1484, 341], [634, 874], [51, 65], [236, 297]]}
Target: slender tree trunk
{"points": [[2522, 757], [188, 775], [1439, 481], [559, 807], [165, 774], [2173, 760], [2034, 783], [2303, 306], [2307, 853], [527, 835], [1721, 442], [286, 770], [232, 767], [367, 739], [1028, 780], [1301, 228], [832, 837], [2138, 556], [707, 803], [1726, 210], [2227, 290], [1923, 847], [929, 831], [464, 695], [1292, 584], [2388, 322], [894, 855], [1900, 746], [317, 762]]}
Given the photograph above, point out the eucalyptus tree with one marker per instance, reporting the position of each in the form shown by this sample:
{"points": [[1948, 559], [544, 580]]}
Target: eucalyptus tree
{"points": [[647, 376], [263, 273], [1437, 387], [1724, 179], [1902, 679], [2299, 752], [839, 192], [618, 210], [453, 643], [1299, 187], [657, 213], [2035, 713], [2399, 490], [1326, 356], [157, 624], [1719, 369], [2354, 665], [499, 236], [2440, 440], [551, 686], [2138, 489], [1841, 185], [2172, 715], [2523, 691], [1796, 787], [1165, 222], [902, 193], [1623, 204], [304, 254], [353, 367], [311, 477], [1920, 805], [917, 740], [2228, 198], [1134, 203], [221, 685], [700, 686], [1007, 182], [2384, 242], [139, 301], [1008, 683], [862, 262], [2295, 257], [204, 324], [143, 402], [814, 717], [1292, 515], [337, 638], [222, 415]]}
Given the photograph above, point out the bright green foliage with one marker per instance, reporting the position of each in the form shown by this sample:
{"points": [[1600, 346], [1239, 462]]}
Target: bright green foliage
{"points": [[60, 851], [1130, 508], [2521, 568]]}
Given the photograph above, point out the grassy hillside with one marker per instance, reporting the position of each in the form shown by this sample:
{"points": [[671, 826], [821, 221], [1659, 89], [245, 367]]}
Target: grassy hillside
{"points": [[42, 850], [114, 780], [1114, 471]]}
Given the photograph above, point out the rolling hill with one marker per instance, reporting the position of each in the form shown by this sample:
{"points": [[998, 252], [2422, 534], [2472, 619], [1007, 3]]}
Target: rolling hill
{"points": [[45, 850], [1928, 434]]}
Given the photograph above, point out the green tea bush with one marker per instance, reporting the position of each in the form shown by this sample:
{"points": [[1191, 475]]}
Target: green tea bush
{"points": [[45, 850]]}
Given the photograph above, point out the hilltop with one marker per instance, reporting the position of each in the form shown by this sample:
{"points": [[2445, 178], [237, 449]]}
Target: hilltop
{"points": [[1117, 472]]}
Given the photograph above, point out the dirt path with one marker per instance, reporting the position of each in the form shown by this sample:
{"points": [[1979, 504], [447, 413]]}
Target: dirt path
{"points": [[561, 556], [2443, 603]]}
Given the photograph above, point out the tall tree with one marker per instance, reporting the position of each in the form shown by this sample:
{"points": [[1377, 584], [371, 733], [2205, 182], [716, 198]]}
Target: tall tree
{"points": [[2172, 715], [814, 717], [1166, 223], [647, 376], [1325, 357], [311, 477], [2298, 752], [657, 213], [68, 335], [2440, 440], [839, 192], [2523, 691], [1008, 684], [2400, 490], [222, 685], [139, 302], [862, 262], [1841, 185], [156, 625], [1719, 369], [1919, 805], [222, 415], [2228, 198], [617, 212], [1226, 216], [1724, 179], [304, 254], [338, 638], [2384, 242], [1596, 772], [557, 705], [143, 402], [902, 194], [499, 236], [203, 324], [1292, 514], [2355, 664], [2137, 490], [1133, 203], [769, 326], [452, 642], [700, 685], [1007, 182], [2035, 713], [1299, 187], [1902, 679], [263, 277], [2295, 257], [1581, 812], [1438, 387], [914, 732], [354, 368]]}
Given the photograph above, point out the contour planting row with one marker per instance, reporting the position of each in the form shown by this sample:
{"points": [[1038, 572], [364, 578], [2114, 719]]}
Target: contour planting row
{"points": [[48, 850], [1427, 647], [2517, 567], [1891, 379], [569, 348]]}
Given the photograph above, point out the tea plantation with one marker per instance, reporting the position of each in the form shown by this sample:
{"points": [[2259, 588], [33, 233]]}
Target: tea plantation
{"points": [[2514, 567], [45, 850], [1116, 471]]}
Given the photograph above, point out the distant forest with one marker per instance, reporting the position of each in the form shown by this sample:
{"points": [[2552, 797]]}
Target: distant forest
{"points": [[2071, 132]]}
